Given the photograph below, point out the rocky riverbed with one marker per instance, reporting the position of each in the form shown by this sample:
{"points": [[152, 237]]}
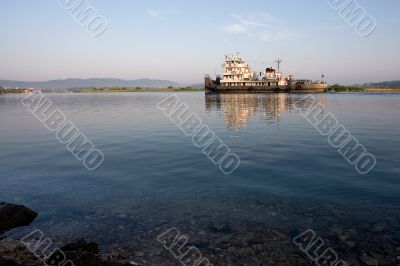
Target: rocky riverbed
{"points": [[226, 234], [30, 251]]}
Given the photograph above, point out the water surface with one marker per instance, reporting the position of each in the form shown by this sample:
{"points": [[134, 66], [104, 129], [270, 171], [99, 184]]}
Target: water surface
{"points": [[153, 177]]}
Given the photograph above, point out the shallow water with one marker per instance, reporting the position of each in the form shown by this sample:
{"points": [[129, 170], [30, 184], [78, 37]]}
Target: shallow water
{"points": [[153, 177]]}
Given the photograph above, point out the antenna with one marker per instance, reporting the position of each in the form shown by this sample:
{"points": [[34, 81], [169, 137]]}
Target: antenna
{"points": [[279, 61]]}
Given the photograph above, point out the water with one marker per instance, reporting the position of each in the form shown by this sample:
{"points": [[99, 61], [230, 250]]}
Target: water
{"points": [[153, 177]]}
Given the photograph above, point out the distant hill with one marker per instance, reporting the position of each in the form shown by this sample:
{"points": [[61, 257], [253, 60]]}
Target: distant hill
{"points": [[383, 84], [91, 83]]}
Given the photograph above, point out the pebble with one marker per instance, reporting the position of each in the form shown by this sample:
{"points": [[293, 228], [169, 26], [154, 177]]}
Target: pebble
{"points": [[139, 254], [369, 260], [121, 228], [378, 228], [124, 254], [350, 244], [343, 237]]}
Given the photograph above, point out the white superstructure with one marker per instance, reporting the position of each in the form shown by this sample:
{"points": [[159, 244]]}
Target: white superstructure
{"points": [[236, 69], [237, 73]]}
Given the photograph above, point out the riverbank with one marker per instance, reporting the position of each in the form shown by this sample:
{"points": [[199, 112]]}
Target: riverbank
{"points": [[382, 89], [333, 88], [101, 90], [14, 90], [341, 88], [108, 90]]}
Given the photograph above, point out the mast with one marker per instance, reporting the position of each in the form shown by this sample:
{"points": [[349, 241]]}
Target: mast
{"points": [[279, 61]]}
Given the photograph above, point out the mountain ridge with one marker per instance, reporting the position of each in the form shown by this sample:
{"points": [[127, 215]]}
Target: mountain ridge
{"points": [[72, 83], [391, 83]]}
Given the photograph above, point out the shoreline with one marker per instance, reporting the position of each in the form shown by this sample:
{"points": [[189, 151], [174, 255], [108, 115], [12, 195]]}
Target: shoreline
{"points": [[124, 90], [382, 89], [116, 90], [111, 90]]}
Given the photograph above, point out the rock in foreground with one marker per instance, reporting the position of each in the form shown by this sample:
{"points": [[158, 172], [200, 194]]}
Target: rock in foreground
{"points": [[13, 251], [12, 216]]}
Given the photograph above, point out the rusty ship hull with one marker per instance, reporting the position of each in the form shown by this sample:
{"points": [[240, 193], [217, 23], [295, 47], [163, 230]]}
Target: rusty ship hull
{"points": [[264, 87]]}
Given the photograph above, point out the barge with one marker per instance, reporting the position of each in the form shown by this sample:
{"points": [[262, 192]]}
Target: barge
{"points": [[238, 77]]}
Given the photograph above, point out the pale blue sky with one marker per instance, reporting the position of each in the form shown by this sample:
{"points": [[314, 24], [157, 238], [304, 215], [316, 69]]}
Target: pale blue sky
{"points": [[182, 40]]}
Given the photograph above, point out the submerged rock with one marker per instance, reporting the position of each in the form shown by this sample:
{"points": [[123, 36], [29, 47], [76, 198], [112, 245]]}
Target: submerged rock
{"points": [[82, 245], [84, 258], [219, 227], [7, 262], [12, 216], [15, 252], [378, 228], [81, 253], [369, 260]]}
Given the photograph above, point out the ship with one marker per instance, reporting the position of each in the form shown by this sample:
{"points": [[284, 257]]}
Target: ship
{"points": [[237, 76]]}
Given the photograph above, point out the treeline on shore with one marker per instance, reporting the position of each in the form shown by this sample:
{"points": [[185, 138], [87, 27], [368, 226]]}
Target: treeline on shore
{"points": [[341, 88], [333, 88], [93, 90], [137, 89], [12, 90]]}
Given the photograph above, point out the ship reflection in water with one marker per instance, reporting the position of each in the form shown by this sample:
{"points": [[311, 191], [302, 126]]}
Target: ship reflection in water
{"points": [[239, 108]]}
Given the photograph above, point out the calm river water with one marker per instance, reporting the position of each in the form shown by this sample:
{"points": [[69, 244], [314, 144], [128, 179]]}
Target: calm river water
{"points": [[153, 178]]}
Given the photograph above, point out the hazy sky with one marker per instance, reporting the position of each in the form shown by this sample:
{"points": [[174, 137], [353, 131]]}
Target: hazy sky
{"points": [[183, 40]]}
